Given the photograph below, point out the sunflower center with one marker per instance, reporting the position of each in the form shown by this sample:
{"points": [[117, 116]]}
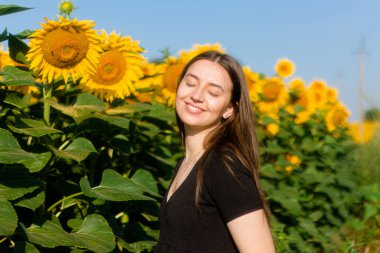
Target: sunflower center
{"points": [[65, 47], [271, 91], [171, 76], [111, 68]]}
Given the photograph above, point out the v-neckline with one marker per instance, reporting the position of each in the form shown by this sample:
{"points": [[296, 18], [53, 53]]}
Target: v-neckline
{"points": [[167, 200]]}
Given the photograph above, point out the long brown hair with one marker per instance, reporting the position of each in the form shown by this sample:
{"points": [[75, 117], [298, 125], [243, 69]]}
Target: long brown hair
{"points": [[237, 133]]}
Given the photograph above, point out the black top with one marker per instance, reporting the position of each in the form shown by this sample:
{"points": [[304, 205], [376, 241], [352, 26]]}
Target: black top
{"points": [[183, 228]]}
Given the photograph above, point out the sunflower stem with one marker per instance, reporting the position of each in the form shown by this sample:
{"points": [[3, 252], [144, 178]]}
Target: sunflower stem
{"points": [[51, 208], [47, 95]]}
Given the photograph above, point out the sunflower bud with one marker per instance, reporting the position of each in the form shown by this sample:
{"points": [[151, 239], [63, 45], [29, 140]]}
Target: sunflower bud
{"points": [[66, 7]]}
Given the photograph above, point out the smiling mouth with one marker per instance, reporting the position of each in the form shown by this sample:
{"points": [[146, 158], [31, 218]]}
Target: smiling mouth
{"points": [[192, 108]]}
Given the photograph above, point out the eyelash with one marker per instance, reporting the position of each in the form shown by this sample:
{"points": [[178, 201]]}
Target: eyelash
{"points": [[211, 93]]}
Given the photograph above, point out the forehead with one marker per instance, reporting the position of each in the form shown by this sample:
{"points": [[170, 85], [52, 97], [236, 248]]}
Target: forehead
{"points": [[210, 72]]}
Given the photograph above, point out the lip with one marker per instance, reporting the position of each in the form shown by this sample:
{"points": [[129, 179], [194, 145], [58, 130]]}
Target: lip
{"points": [[190, 107]]}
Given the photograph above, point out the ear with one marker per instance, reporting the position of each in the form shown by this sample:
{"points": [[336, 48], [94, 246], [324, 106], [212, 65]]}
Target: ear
{"points": [[228, 112]]}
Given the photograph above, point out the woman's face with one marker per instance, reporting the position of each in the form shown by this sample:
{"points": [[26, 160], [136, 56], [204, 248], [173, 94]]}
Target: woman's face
{"points": [[204, 95]]}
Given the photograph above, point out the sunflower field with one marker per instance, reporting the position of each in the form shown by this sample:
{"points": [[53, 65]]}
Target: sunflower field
{"points": [[88, 143]]}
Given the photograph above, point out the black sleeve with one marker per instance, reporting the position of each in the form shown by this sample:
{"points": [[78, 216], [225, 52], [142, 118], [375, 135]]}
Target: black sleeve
{"points": [[234, 195]]}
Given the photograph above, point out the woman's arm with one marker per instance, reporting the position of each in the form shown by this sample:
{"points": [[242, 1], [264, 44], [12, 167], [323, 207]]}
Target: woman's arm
{"points": [[251, 233]]}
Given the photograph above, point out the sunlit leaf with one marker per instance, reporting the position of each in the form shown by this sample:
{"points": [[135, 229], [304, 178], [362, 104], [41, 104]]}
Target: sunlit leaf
{"points": [[113, 187], [78, 150], [145, 180], [36, 128], [95, 234], [14, 76]]}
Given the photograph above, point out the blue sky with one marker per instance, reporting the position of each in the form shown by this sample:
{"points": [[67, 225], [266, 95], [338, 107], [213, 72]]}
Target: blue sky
{"points": [[321, 37]]}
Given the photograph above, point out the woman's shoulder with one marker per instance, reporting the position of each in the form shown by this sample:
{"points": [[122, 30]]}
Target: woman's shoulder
{"points": [[224, 162]]}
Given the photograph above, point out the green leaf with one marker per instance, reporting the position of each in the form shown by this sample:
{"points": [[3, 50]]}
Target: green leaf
{"points": [[113, 120], [78, 150], [16, 182], [127, 109], [49, 235], [25, 247], [35, 128], [32, 200], [8, 218], [95, 234], [4, 35], [85, 105], [15, 100], [145, 180], [17, 49], [24, 34], [269, 171], [370, 210], [11, 152], [140, 246], [13, 76], [9, 9], [37, 161], [113, 187]]}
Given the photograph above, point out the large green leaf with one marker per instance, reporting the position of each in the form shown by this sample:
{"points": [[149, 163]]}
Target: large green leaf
{"points": [[78, 150], [15, 100], [8, 218], [35, 128], [11, 152], [145, 180], [32, 200], [16, 182], [113, 187], [14, 76], [49, 235], [85, 105], [11, 8], [94, 234], [17, 49], [113, 120]]}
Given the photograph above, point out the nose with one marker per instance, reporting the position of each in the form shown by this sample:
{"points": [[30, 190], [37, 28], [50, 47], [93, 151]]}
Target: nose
{"points": [[197, 95]]}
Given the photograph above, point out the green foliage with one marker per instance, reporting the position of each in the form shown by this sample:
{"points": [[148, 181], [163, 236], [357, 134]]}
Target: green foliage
{"points": [[80, 175], [309, 201]]}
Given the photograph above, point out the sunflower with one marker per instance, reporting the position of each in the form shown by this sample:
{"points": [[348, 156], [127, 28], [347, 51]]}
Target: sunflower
{"points": [[301, 97], [273, 95], [332, 95], [119, 68], [294, 160], [170, 72], [198, 49], [337, 117], [284, 68], [364, 132], [318, 90], [64, 48], [272, 129], [252, 80], [66, 7]]}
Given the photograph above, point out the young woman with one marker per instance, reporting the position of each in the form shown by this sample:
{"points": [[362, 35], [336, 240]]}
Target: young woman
{"points": [[215, 203]]}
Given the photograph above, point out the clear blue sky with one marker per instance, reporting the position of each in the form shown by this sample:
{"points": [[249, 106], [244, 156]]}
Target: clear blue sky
{"points": [[321, 37]]}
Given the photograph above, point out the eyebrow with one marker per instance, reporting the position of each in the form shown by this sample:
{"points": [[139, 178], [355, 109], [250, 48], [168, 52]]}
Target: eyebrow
{"points": [[212, 84]]}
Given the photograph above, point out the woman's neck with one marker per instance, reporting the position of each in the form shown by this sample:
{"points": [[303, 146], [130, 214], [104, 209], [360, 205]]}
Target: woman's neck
{"points": [[194, 141]]}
